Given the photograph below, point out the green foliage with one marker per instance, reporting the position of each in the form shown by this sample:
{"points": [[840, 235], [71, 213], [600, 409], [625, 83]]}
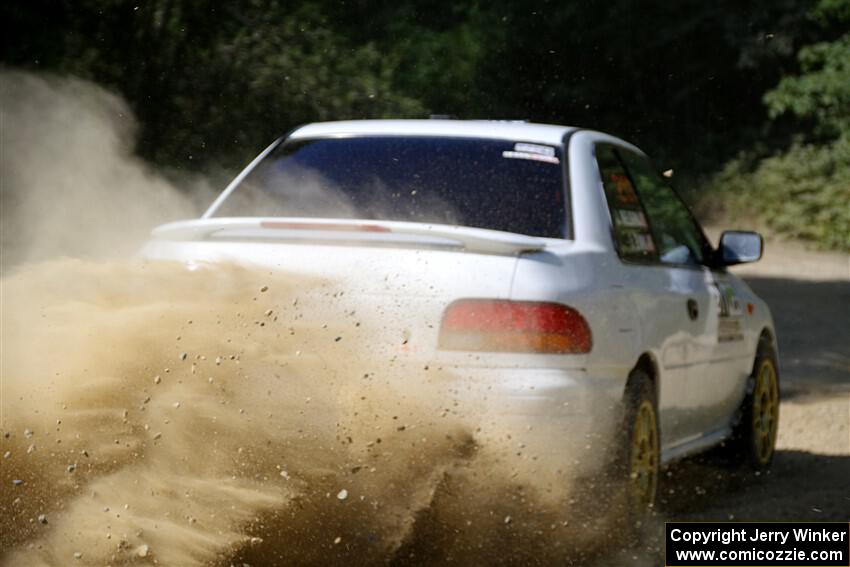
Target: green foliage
{"points": [[213, 82], [821, 92], [803, 192], [828, 13], [217, 80], [274, 71]]}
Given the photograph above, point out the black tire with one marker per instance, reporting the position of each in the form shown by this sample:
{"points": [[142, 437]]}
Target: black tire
{"points": [[638, 462], [753, 440]]}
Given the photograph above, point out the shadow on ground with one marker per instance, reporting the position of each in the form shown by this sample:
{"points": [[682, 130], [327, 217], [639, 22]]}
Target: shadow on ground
{"points": [[812, 321], [801, 486]]}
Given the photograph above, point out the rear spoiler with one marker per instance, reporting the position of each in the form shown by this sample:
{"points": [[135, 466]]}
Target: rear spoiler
{"points": [[379, 232]]}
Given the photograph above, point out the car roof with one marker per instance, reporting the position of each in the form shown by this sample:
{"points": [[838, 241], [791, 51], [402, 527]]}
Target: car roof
{"points": [[494, 129]]}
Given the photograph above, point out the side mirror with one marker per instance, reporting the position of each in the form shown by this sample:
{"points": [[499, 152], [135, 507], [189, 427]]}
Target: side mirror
{"points": [[740, 247]]}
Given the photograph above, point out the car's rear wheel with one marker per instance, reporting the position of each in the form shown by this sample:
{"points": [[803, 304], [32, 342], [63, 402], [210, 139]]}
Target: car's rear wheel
{"points": [[640, 456], [753, 441]]}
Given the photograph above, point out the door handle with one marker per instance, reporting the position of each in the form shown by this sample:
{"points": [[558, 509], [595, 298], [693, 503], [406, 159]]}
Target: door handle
{"points": [[693, 309]]}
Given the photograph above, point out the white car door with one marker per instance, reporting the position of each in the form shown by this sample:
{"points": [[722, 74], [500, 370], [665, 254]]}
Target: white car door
{"points": [[670, 290], [732, 360], [681, 245]]}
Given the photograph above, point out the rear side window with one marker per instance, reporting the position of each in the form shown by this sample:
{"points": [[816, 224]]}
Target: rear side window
{"points": [[678, 238], [632, 234], [651, 223], [505, 185]]}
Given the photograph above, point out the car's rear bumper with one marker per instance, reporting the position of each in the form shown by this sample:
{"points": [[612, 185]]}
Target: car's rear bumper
{"points": [[551, 425]]}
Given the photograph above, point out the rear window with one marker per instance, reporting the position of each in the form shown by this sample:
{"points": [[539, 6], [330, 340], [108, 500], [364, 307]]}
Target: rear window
{"points": [[494, 184]]}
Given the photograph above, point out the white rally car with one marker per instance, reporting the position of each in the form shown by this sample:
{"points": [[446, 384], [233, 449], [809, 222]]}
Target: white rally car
{"points": [[553, 265]]}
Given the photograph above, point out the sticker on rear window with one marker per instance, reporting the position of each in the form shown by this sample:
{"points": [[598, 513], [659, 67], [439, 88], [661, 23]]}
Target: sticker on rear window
{"points": [[533, 152], [625, 192], [534, 149], [630, 218], [632, 243]]}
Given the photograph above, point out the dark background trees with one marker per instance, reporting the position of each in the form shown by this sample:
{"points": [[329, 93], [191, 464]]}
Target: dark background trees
{"points": [[723, 86]]}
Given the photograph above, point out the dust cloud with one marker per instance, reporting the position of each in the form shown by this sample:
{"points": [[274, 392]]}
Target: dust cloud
{"points": [[149, 409], [153, 412], [69, 182], [196, 416]]}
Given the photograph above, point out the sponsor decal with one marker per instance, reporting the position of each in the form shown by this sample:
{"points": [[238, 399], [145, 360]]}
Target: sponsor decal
{"points": [[631, 219], [534, 149], [637, 242], [626, 194], [530, 156]]}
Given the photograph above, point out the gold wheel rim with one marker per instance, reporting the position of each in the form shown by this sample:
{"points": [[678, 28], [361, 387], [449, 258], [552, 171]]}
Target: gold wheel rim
{"points": [[765, 412], [643, 471]]}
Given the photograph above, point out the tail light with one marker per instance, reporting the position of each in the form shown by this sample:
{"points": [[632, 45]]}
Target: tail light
{"points": [[514, 326]]}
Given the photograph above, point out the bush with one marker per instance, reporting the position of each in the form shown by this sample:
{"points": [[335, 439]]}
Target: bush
{"points": [[803, 192]]}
